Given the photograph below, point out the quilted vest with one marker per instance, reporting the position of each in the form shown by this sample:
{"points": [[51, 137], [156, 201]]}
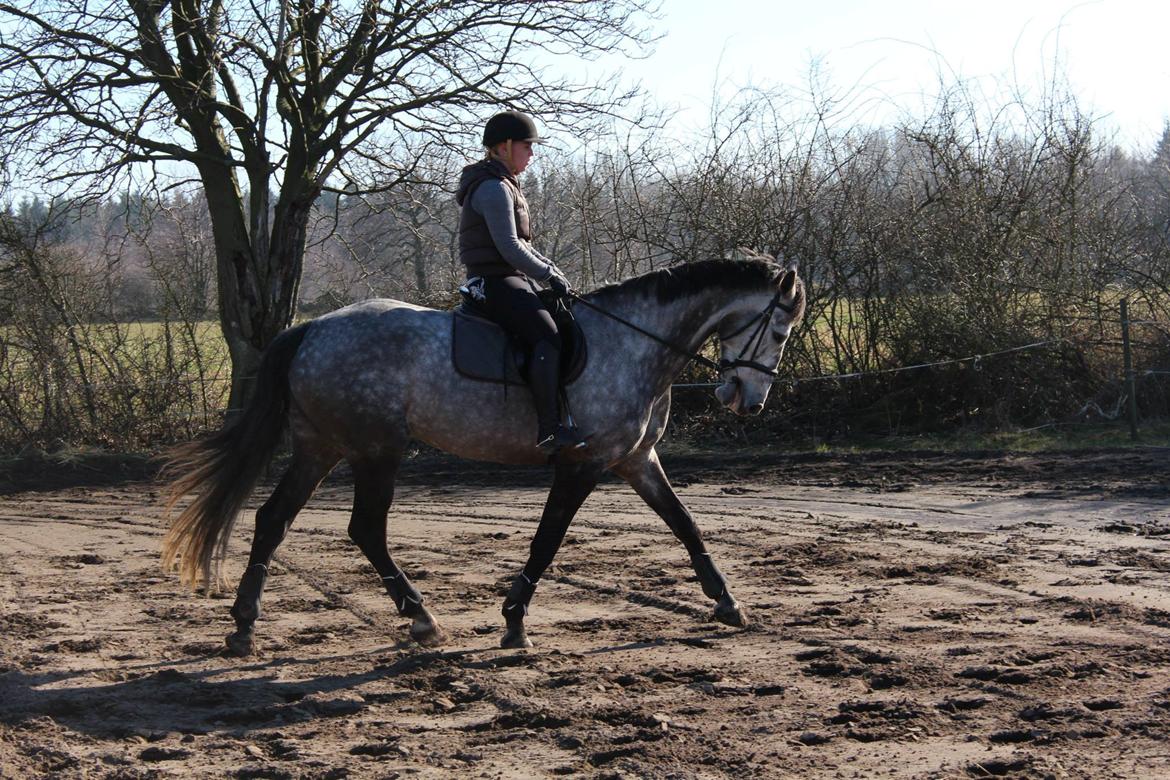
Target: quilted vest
{"points": [[477, 251]]}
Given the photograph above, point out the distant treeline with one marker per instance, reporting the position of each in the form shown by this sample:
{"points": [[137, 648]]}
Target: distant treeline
{"points": [[964, 232]]}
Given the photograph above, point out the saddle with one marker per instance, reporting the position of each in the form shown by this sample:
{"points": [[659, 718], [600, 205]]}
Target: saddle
{"points": [[482, 350]]}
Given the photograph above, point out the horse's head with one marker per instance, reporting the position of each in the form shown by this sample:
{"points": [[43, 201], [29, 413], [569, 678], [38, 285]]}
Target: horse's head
{"points": [[752, 337]]}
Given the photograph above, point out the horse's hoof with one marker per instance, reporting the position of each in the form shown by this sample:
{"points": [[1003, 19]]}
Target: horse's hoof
{"points": [[240, 644], [515, 639], [427, 633], [730, 614]]}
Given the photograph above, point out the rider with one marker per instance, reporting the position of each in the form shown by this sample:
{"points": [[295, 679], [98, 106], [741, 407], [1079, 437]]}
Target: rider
{"points": [[494, 243]]}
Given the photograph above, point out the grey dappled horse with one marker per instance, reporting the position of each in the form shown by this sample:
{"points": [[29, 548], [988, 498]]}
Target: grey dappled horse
{"points": [[360, 383]]}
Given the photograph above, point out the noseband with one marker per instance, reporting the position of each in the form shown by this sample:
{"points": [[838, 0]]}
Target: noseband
{"points": [[761, 321]]}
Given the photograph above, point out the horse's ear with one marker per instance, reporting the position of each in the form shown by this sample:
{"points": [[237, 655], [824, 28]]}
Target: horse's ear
{"points": [[785, 279]]}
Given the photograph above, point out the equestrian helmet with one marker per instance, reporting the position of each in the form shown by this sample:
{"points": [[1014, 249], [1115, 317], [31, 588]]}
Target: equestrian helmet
{"points": [[510, 126]]}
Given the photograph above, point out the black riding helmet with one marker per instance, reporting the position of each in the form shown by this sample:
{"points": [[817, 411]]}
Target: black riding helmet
{"points": [[510, 126]]}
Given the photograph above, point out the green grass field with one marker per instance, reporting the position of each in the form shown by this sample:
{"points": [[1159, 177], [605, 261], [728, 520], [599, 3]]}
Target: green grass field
{"points": [[115, 385]]}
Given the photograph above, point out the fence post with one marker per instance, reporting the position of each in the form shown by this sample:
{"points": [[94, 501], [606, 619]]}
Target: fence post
{"points": [[1130, 384]]}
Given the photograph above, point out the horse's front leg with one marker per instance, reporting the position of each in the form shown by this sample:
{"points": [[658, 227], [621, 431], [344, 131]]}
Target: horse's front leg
{"points": [[645, 475], [572, 484]]}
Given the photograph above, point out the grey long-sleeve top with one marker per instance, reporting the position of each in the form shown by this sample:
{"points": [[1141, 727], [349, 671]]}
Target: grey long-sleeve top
{"points": [[493, 202]]}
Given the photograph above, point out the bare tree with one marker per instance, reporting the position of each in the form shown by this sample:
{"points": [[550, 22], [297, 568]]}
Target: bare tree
{"points": [[273, 102]]}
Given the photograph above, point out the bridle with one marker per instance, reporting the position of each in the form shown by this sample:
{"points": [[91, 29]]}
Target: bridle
{"points": [[760, 320]]}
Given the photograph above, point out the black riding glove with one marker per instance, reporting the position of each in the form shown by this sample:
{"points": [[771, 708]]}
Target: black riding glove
{"points": [[559, 284]]}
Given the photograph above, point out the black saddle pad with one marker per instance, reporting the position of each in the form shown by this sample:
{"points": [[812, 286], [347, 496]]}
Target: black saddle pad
{"points": [[480, 349]]}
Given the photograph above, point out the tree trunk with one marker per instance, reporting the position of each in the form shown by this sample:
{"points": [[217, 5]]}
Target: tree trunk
{"points": [[257, 291], [420, 260], [235, 278]]}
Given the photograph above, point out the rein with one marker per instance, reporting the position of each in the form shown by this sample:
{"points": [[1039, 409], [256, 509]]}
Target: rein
{"points": [[761, 321]]}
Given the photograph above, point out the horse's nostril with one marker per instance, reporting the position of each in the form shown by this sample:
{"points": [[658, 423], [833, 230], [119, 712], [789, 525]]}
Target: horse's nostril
{"points": [[755, 408]]}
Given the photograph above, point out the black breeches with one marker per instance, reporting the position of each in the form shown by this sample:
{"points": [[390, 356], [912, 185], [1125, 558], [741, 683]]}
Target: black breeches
{"points": [[513, 304]]}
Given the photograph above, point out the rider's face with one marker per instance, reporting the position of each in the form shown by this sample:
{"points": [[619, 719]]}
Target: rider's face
{"points": [[521, 155]]}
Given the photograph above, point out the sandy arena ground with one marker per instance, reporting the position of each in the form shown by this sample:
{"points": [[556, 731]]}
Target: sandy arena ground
{"points": [[912, 616]]}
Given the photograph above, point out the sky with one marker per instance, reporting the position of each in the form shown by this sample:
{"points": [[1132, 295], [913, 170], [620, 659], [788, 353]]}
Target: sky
{"points": [[1113, 53]]}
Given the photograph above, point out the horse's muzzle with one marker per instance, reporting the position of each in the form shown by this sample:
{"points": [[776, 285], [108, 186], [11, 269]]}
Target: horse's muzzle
{"points": [[733, 395], [730, 394]]}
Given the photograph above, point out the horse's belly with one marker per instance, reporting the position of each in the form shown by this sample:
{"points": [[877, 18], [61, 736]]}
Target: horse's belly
{"points": [[477, 420]]}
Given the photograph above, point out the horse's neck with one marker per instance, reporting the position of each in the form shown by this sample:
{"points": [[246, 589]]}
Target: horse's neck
{"points": [[685, 323], [692, 319]]}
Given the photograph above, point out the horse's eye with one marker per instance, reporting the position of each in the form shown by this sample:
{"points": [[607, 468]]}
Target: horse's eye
{"points": [[778, 336]]}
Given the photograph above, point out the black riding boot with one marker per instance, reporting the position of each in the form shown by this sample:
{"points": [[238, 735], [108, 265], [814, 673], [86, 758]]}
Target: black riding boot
{"points": [[544, 380]]}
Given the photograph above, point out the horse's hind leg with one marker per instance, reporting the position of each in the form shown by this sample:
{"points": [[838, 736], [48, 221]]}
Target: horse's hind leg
{"points": [[646, 476], [373, 493], [272, 523], [572, 484]]}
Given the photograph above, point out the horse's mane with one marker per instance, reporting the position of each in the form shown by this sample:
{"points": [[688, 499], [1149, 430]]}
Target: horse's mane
{"points": [[678, 281]]}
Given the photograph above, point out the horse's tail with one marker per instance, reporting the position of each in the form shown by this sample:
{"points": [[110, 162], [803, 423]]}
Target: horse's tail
{"points": [[223, 468]]}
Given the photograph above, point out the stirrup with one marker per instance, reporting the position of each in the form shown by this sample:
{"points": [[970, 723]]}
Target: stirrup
{"points": [[562, 438]]}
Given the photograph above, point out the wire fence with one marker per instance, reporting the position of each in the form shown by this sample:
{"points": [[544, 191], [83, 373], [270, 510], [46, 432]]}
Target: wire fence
{"points": [[193, 402], [1131, 374], [974, 359]]}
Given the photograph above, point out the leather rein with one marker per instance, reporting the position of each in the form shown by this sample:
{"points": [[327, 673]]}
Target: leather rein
{"points": [[761, 321]]}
